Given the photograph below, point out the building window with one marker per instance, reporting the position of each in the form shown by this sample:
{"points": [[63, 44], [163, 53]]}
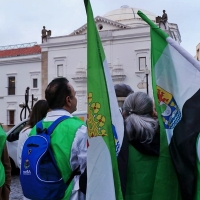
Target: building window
{"points": [[35, 83], [60, 70], [11, 85], [11, 117], [142, 63], [100, 26]]}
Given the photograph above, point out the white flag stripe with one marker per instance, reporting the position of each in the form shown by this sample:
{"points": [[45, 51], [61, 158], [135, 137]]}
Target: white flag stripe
{"points": [[183, 52], [99, 171], [177, 76], [116, 116]]}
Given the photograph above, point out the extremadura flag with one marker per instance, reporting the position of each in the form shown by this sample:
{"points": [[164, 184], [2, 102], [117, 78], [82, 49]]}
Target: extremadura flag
{"points": [[176, 87], [105, 122]]}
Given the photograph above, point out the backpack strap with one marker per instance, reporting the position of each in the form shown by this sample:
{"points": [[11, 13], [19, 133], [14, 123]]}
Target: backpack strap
{"points": [[39, 126], [74, 173], [55, 123], [49, 132]]}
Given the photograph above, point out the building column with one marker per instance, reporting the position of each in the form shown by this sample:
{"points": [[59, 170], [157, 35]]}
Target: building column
{"points": [[44, 73]]}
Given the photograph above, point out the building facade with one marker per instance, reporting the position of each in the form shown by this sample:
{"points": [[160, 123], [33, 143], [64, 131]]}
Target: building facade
{"points": [[20, 67], [126, 41]]}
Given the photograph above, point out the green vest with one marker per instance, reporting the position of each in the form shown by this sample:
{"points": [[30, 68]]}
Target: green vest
{"points": [[140, 175], [2, 144], [197, 193], [61, 143]]}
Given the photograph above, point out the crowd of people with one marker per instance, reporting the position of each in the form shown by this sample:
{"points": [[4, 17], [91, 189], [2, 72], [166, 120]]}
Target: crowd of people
{"points": [[69, 142]]}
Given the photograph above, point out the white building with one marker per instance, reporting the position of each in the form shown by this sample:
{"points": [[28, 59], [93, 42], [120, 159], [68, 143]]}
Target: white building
{"points": [[20, 67], [126, 41]]}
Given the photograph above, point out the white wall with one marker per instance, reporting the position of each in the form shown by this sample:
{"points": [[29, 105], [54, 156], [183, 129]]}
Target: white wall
{"points": [[123, 46], [24, 69]]}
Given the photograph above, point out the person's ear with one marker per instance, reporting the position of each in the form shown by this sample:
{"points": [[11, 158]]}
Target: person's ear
{"points": [[68, 100]]}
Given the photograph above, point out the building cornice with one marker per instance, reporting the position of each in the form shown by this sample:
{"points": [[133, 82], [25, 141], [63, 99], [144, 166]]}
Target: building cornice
{"points": [[104, 37], [20, 60], [80, 79], [100, 19], [118, 77]]}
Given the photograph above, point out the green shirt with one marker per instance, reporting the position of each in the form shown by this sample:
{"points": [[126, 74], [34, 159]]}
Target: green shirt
{"points": [[2, 144]]}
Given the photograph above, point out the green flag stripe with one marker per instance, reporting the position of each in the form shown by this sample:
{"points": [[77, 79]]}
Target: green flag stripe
{"points": [[158, 45]]}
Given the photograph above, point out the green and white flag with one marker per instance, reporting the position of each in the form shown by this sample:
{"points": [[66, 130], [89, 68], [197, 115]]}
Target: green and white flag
{"points": [[105, 122], [176, 87]]}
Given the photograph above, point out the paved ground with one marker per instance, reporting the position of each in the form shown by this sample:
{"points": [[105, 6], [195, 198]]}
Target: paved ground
{"points": [[16, 191]]}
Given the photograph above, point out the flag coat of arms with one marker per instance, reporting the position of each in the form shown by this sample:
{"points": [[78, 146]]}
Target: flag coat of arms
{"points": [[176, 87], [105, 122]]}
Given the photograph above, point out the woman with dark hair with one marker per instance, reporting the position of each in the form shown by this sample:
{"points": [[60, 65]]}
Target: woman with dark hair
{"points": [[144, 145], [38, 112]]}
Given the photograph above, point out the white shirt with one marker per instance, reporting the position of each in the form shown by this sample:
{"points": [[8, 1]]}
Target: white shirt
{"points": [[23, 135]]}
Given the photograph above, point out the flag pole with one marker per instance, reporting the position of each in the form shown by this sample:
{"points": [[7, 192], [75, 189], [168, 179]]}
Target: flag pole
{"points": [[146, 71]]}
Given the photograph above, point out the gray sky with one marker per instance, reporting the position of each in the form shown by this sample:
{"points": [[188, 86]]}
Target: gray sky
{"points": [[21, 21]]}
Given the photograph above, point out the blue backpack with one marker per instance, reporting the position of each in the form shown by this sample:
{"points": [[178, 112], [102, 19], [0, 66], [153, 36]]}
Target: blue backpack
{"points": [[39, 175]]}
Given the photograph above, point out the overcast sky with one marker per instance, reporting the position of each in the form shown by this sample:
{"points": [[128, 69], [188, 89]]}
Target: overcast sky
{"points": [[21, 21]]}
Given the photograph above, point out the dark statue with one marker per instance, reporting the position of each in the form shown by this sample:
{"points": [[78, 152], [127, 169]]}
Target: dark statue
{"points": [[45, 33], [163, 19]]}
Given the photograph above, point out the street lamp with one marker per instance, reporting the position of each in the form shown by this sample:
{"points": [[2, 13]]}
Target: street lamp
{"points": [[146, 71]]}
